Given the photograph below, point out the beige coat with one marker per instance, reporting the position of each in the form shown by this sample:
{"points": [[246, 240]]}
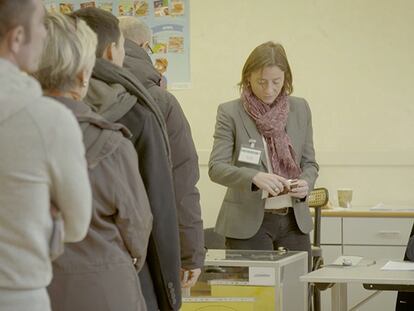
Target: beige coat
{"points": [[42, 158], [242, 211], [98, 273]]}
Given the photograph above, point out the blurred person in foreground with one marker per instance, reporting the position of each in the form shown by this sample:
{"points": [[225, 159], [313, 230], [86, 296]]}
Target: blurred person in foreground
{"points": [[42, 163]]}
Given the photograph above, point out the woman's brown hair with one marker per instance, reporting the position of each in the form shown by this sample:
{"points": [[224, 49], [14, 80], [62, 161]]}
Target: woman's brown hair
{"points": [[267, 55]]}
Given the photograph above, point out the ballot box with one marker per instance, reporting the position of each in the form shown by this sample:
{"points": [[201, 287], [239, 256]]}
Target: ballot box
{"points": [[218, 304], [250, 280]]}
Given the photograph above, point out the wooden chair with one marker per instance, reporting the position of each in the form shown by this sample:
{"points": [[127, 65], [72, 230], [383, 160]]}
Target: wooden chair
{"points": [[318, 198]]}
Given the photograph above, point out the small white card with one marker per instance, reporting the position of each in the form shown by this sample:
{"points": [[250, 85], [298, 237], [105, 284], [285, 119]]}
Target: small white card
{"points": [[249, 155], [261, 276]]}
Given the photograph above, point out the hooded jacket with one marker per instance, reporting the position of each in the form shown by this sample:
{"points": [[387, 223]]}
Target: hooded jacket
{"points": [[42, 161], [183, 156], [120, 227], [118, 96]]}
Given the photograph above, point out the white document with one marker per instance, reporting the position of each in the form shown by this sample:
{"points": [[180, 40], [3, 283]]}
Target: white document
{"points": [[399, 266], [347, 261], [382, 207]]}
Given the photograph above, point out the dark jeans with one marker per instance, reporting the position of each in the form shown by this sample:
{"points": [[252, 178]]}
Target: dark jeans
{"points": [[275, 231]]}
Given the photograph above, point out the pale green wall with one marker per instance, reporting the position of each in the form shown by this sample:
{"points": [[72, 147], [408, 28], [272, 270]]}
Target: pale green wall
{"points": [[351, 59]]}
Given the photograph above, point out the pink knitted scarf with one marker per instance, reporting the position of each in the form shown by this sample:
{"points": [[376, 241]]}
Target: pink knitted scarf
{"points": [[271, 123]]}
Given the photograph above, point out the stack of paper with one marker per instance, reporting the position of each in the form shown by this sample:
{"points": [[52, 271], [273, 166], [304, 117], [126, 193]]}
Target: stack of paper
{"points": [[399, 266]]}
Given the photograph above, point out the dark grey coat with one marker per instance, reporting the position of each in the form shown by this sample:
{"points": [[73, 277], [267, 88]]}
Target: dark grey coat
{"points": [[116, 94], [98, 273], [183, 155]]}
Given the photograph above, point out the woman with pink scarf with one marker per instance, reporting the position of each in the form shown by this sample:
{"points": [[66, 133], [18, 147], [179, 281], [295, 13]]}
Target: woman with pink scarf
{"points": [[263, 153]]}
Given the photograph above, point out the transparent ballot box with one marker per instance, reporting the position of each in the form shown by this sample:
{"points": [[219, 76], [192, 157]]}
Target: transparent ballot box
{"points": [[250, 280]]}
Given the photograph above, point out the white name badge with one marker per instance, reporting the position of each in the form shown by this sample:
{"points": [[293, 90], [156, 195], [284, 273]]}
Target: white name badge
{"points": [[249, 155]]}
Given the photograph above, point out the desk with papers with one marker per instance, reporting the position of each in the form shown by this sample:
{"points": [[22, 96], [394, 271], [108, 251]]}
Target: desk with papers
{"points": [[368, 273]]}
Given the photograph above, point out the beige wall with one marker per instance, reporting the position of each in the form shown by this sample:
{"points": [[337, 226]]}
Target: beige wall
{"points": [[351, 59]]}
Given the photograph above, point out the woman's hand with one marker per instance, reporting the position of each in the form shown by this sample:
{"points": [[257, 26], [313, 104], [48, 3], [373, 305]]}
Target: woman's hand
{"points": [[301, 190], [272, 183]]}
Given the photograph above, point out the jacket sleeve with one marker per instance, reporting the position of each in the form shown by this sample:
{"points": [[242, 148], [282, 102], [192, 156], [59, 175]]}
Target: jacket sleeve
{"points": [[221, 168], [134, 217], [186, 175], [70, 187], [308, 163]]}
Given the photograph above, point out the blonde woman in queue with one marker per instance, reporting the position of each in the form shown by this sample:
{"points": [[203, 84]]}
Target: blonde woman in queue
{"points": [[100, 272]]}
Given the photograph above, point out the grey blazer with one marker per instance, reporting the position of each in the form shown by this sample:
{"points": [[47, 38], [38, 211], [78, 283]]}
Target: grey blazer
{"points": [[242, 210]]}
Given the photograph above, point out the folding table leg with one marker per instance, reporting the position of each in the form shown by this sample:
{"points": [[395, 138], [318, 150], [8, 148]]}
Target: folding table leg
{"points": [[339, 297]]}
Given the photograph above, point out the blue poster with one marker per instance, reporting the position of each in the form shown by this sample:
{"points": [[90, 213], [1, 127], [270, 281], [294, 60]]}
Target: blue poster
{"points": [[169, 21]]}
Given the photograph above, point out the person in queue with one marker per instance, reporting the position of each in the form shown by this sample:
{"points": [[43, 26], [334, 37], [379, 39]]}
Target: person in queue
{"points": [[42, 164], [116, 94], [116, 244], [185, 169], [263, 153]]}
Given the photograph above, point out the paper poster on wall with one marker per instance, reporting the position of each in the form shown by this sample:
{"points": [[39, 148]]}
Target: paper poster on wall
{"points": [[51, 6], [169, 21], [66, 7], [87, 4], [171, 41], [141, 8], [106, 5], [125, 8]]}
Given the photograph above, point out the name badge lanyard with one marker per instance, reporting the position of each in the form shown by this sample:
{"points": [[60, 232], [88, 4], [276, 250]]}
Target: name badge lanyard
{"points": [[249, 153]]}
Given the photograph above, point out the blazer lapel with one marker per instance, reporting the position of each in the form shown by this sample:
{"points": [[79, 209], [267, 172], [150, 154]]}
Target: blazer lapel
{"points": [[252, 133]]}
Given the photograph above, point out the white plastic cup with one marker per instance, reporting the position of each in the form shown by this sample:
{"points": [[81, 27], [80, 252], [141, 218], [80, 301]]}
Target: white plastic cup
{"points": [[344, 197]]}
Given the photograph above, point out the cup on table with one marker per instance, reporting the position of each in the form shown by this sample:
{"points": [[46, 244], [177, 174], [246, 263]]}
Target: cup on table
{"points": [[344, 197]]}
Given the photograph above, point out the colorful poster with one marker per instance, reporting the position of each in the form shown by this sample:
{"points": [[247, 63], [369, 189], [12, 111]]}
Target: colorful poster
{"points": [[66, 7], [87, 4], [125, 8], [51, 6], [177, 8], [169, 22], [105, 5], [176, 45], [161, 8], [141, 8]]}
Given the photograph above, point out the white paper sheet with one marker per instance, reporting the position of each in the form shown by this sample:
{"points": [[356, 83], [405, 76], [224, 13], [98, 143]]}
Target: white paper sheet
{"points": [[347, 260], [382, 207], [399, 266]]}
